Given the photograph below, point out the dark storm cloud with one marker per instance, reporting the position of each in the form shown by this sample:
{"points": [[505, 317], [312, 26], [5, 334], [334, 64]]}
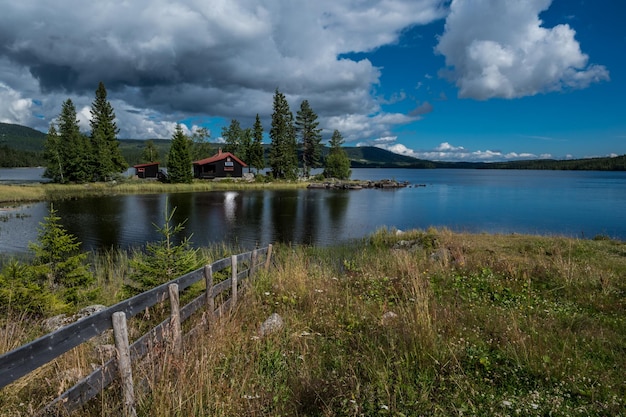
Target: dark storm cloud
{"points": [[219, 58]]}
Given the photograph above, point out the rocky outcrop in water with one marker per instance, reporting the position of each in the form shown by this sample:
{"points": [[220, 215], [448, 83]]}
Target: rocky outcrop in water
{"points": [[358, 185]]}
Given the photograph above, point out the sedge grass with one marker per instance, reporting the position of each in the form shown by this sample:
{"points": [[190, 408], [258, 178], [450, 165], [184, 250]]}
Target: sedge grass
{"points": [[50, 192], [419, 323]]}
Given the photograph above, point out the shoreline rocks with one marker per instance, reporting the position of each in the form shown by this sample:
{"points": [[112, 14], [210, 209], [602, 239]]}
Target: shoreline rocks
{"points": [[358, 185]]}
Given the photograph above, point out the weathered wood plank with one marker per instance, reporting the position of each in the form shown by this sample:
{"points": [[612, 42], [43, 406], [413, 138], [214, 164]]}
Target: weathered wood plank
{"points": [[193, 306], [124, 363], [84, 390], [222, 286], [23, 360]]}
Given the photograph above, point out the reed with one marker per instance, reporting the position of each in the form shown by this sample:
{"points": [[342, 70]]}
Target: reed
{"points": [[40, 192]]}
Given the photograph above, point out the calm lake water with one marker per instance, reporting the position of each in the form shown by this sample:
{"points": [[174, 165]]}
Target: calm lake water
{"points": [[571, 203]]}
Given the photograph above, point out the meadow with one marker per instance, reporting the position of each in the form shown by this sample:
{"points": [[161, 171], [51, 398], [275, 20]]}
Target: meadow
{"points": [[399, 323]]}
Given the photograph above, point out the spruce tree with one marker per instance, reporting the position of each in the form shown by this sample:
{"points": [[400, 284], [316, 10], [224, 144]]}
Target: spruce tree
{"points": [[179, 158], [58, 262], [164, 260], [283, 152], [55, 165], [106, 155], [257, 157], [74, 146], [310, 137], [337, 162]]}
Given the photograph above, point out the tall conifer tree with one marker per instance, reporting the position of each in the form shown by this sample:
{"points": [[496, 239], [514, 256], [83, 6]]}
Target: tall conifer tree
{"points": [[106, 155], [337, 162], [310, 137], [283, 152], [179, 158], [74, 146], [257, 157], [55, 165]]}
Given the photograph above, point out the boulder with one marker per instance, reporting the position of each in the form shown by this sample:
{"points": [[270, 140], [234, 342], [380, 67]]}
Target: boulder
{"points": [[273, 324]]}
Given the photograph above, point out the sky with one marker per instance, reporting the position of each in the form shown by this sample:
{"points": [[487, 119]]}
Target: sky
{"points": [[449, 80]]}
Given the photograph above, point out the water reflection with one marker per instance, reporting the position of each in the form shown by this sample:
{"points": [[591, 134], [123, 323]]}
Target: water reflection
{"points": [[580, 204]]}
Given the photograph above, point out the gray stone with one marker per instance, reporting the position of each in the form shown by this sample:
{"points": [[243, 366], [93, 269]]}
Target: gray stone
{"points": [[273, 324]]}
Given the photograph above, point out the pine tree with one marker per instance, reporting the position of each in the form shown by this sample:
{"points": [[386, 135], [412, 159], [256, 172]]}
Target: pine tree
{"points": [[337, 162], [53, 156], [310, 136], [73, 145], [179, 158], [257, 157], [283, 152], [232, 137], [106, 155]]}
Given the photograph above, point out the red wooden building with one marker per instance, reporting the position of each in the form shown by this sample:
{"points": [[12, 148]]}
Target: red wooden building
{"points": [[149, 170], [220, 165]]}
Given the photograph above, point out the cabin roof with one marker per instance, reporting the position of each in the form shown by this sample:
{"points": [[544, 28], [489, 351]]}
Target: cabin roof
{"points": [[218, 157], [149, 164]]}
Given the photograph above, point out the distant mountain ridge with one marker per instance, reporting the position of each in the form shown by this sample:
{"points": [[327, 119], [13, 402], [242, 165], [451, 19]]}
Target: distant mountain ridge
{"points": [[21, 138], [18, 139]]}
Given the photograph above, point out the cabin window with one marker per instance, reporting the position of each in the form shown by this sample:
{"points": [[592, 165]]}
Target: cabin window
{"points": [[141, 170], [229, 164]]}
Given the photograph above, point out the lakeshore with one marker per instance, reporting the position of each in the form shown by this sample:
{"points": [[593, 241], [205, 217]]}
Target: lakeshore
{"points": [[410, 323]]}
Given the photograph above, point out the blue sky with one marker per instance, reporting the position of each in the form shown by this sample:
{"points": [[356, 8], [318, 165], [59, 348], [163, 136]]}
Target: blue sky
{"points": [[473, 80]]}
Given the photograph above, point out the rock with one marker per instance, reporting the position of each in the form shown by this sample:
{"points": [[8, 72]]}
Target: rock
{"points": [[273, 324], [388, 318], [53, 324], [442, 255]]}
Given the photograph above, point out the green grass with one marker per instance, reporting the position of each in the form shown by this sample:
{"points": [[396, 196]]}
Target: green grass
{"points": [[51, 192], [482, 324]]}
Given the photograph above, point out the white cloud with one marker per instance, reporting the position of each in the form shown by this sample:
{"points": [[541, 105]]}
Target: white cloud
{"points": [[450, 153], [222, 58], [13, 107], [496, 48]]}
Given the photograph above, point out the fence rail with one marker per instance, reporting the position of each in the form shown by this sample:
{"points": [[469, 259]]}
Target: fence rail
{"points": [[25, 359]]}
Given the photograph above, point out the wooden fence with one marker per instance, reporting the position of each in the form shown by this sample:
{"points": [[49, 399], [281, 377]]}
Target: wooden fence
{"points": [[23, 360]]}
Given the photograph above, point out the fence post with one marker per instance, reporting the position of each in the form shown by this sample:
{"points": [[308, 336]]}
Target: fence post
{"points": [[210, 298], [233, 267], [269, 257], [253, 262], [175, 328], [120, 332]]}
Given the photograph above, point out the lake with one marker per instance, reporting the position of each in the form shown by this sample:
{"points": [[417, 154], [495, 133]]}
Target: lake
{"points": [[572, 203]]}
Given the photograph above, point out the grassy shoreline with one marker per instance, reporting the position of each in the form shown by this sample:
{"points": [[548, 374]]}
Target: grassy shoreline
{"points": [[18, 193], [415, 323]]}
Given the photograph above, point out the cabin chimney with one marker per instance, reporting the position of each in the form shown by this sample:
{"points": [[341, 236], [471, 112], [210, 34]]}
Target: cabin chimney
{"points": [[219, 152]]}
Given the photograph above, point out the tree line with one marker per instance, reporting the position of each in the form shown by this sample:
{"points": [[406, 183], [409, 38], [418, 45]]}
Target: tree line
{"points": [[288, 135], [72, 156]]}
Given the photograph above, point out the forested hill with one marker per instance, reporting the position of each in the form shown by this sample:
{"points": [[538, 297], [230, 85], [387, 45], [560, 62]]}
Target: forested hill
{"points": [[23, 146], [20, 146], [21, 138]]}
